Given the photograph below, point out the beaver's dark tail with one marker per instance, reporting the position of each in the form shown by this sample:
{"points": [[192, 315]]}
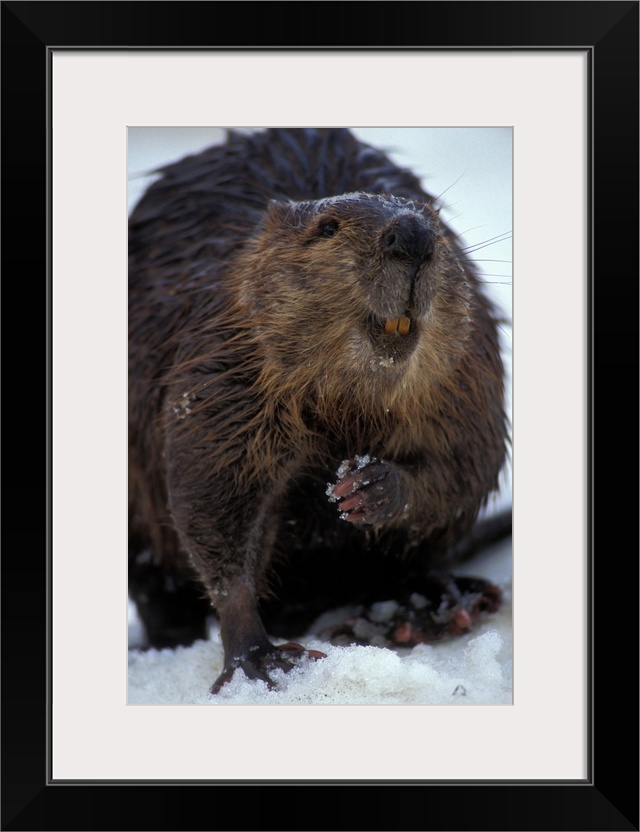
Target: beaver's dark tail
{"points": [[486, 532]]}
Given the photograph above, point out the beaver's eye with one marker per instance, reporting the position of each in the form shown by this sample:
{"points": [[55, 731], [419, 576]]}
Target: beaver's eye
{"points": [[328, 229]]}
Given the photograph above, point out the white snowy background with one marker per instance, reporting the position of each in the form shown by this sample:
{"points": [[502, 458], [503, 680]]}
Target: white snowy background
{"points": [[471, 168]]}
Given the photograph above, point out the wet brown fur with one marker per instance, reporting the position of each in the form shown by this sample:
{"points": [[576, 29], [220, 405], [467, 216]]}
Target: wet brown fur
{"points": [[252, 376]]}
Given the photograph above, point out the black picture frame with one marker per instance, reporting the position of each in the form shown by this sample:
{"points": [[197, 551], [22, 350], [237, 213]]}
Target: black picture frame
{"points": [[608, 798]]}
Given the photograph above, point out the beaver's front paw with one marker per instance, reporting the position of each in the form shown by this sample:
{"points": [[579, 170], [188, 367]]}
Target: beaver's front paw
{"points": [[368, 491], [260, 663]]}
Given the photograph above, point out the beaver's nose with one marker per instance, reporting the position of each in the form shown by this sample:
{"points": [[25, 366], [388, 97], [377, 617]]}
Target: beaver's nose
{"points": [[408, 238]]}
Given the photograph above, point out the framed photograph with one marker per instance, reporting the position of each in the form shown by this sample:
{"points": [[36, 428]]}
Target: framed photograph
{"points": [[455, 164], [564, 79]]}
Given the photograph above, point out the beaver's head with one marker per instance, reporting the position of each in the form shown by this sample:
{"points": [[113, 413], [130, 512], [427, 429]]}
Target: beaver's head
{"points": [[356, 286]]}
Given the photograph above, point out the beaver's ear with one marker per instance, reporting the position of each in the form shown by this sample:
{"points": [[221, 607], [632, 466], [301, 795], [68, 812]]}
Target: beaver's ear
{"points": [[279, 209], [287, 214]]}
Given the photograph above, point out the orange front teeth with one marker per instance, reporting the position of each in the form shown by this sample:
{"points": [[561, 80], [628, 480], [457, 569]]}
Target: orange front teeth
{"points": [[401, 325]]}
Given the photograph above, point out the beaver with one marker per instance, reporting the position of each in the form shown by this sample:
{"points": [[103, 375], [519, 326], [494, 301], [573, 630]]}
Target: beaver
{"points": [[316, 397]]}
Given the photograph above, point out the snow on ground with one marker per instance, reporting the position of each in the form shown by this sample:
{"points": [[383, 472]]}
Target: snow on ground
{"points": [[475, 669]]}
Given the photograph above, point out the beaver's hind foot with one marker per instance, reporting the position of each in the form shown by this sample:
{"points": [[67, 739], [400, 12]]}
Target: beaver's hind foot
{"points": [[442, 607]]}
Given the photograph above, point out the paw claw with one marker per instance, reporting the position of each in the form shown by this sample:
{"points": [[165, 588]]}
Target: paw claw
{"points": [[282, 657]]}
